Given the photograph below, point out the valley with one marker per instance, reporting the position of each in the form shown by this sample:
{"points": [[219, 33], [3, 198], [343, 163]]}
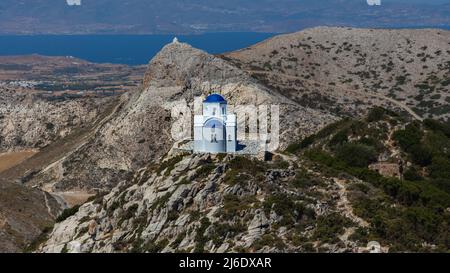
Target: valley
{"points": [[60, 78]]}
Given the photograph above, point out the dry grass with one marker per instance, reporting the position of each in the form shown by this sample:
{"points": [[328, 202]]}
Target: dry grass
{"points": [[9, 160], [75, 198]]}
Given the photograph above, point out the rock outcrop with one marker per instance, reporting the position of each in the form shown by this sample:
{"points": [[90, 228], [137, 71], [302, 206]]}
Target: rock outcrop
{"points": [[195, 203], [29, 122]]}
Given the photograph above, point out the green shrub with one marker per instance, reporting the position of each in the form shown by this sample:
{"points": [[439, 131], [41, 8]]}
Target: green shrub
{"points": [[151, 247], [280, 163], [67, 213], [234, 177], [204, 170], [42, 238], [360, 235], [178, 240], [356, 155], [233, 205], [362, 187], [408, 137], [286, 207], [169, 164], [440, 167], [437, 143], [330, 227], [325, 132], [339, 138], [412, 174], [443, 184], [372, 142], [408, 194], [295, 147], [303, 180], [50, 126], [247, 165], [200, 237], [376, 114], [420, 155], [437, 126], [270, 241], [222, 231], [161, 201]]}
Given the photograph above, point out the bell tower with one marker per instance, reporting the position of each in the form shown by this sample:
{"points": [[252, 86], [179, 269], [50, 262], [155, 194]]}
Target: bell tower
{"points": [[215, 131]]}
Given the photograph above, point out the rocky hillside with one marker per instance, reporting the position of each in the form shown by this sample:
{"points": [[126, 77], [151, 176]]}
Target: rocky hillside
{"points": [[138, 130], [24, 214], [321, 195], [29, 122], [192, 203], [346, 70]]}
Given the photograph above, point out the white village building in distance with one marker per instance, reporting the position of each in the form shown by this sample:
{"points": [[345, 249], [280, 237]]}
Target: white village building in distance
{"points": [[73, 2], [215, 131]]}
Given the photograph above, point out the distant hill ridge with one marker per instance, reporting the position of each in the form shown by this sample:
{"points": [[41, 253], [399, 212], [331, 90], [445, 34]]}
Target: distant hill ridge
{"points": [[177, 16], [342, 69]]}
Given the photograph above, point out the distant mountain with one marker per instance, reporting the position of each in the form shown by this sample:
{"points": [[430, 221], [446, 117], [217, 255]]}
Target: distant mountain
{"points": [[196, 16], [335, 68]]}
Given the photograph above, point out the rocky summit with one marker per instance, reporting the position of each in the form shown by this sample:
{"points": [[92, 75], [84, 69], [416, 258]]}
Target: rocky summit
{"points": [[361, 165], [129, 136]]}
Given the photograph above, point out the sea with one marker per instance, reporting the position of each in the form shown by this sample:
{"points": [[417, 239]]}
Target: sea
{"points": [[122, 49]]}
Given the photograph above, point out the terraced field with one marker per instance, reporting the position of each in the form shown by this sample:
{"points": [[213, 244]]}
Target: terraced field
{"points": [[9, 160]]}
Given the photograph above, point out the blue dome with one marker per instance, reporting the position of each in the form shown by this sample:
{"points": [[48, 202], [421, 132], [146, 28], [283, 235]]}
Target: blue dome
{"points": [[215, 98]]}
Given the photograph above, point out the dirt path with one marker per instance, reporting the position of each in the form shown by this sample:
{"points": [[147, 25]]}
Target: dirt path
{"points": [[289, 158], [367, 93], [398, 103], [47, 204], [344, 204]]}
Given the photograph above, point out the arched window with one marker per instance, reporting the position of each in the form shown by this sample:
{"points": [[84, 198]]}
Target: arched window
{"points": [[214, 131]]}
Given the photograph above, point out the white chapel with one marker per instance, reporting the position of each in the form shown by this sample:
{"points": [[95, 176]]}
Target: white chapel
{"points": [[215, 131]]}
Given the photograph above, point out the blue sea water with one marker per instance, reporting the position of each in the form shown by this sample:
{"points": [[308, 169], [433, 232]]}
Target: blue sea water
{"points": [[123, 49]]}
